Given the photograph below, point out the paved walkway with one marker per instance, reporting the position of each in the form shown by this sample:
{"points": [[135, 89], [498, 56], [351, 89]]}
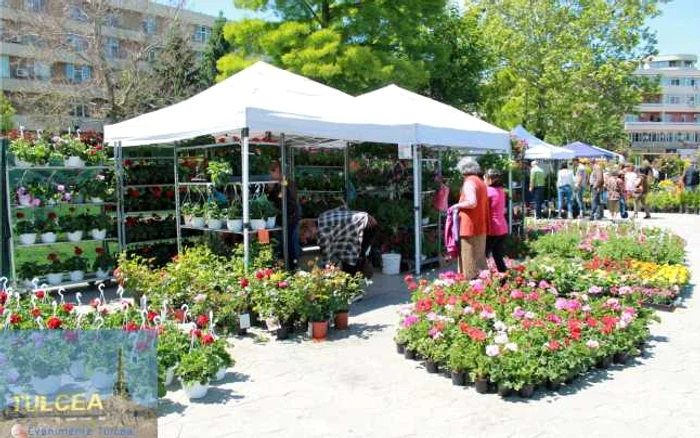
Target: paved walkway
{"points": [[356, 385]]}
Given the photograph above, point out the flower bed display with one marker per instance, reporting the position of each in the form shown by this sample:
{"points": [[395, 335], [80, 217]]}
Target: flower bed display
{"points": [[551, 318]]}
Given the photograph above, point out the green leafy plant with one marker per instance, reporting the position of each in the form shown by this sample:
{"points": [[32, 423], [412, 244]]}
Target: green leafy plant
{"points": [[219, 171], [235, 211], [197, 366], [77, 262]]}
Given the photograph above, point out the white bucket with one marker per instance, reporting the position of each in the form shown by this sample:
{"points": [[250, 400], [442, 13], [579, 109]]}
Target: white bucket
{"points": [[391, 263]]}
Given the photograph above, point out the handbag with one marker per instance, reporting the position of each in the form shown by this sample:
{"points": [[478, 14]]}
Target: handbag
{"points": [[441, 198]]}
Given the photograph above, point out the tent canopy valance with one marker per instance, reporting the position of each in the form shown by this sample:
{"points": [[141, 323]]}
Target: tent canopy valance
{"points": [[583, 150], [537, 149], [435, 123]]}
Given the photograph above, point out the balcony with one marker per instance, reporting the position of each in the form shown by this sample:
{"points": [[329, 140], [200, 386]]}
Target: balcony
{"points": [[662, 126], [662, 146]]}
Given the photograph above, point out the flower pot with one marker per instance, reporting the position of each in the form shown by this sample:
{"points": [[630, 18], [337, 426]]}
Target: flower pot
{"points": [[102, 380], [48, 237], [78, 199], [169, 376], [257, 224], [400, 348], [214, 224], [458, 378], [54, 278], [74, 161], [341, 320], [235, 225], [319, 330], [97, 200], [102, 274], [482, 385], [527, 391], [271, 222], [188, 219], [76, 275], [198, 222], [431, 366], [553, 384], [195, 390], [220, 374], [21, 163], [27, 239], [77, 369], [47, 385], [391, 263], [98, 234], [604, 362], [621, 357], [409, 354], [504, 390], [75, 236], [282, 333]]}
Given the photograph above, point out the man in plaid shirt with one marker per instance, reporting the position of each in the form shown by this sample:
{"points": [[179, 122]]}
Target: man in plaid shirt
{"points": [[344, 236]]}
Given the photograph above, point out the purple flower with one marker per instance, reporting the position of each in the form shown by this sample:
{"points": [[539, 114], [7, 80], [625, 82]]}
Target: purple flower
{"points": [[66, 196], [595, 289], [560, 304], [410, 320], [543, 284], [36, 202], [518, 313], [484, 274], [61, 187], [492, 350]]}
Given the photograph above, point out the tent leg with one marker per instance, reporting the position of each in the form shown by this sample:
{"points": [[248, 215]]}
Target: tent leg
{"points": [[417, 201], [286, 244], [246, 196]]}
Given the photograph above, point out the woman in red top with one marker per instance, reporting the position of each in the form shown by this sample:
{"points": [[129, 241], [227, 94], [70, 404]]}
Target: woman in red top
{"points": [[473, 210], [498, 226]]}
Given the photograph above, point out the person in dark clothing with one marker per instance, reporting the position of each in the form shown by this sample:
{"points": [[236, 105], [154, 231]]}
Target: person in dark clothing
{"points": [[293, 212], [690, 178]]}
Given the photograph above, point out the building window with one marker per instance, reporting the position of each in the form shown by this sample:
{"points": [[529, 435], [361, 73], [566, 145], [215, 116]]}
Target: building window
{"points": [[35, 5], [111, 20], [42, 70], [24, 69], [112, 48], [78, 74], [79, 110], [4, 66], [76, 13], [77, 42], [150, 27], [673, 63], [201, 34], [675, 82]]}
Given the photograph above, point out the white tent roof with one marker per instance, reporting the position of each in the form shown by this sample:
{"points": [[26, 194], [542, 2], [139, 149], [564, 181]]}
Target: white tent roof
{"points": [[538, 149], [436, 123], [262, 98]]}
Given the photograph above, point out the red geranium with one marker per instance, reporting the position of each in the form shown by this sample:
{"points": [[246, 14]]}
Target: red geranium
{"points": [[207, 339], [99, 250], [130, 326], [476, 334], [15, 319], [52, 216], [20, 215], [424, 305], [54, 323], [243, 282], [553, 344], [36, 312], [52, 257], [202, 321], [179, 315], [67, 307], [77, 250], [152, 315], [195, 333], [3, 297], [259, 275], [40, 294]]}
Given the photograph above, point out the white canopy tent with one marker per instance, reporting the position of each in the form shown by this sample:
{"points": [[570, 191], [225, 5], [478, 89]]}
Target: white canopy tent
{"points": [[435, 124], [538, 149]]}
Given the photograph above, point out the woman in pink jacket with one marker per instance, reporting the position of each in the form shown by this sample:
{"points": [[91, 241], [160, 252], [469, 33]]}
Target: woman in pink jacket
{"points": [[498, 227]]}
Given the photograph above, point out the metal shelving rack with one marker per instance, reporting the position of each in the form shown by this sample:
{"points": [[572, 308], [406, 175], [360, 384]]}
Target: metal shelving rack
{"points": [[206, 185], [11, 208]]}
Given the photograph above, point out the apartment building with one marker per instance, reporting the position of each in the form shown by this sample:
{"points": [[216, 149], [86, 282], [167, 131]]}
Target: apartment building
{"points": [[127, 26], [669, 121]]}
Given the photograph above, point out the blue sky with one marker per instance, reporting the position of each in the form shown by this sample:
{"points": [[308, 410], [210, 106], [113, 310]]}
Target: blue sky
{"points": [[677, 29]]}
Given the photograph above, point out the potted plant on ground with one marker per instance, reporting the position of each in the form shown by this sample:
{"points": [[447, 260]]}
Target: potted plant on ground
{"points": [[54, 270], [345, 289], [317, 307], [76, 265], [104, 263], [458, 363], [214, 215], [221, 354], [25, 230], [172, 344], [234, 213], [195, 371], [258, 210], [48, 228]]}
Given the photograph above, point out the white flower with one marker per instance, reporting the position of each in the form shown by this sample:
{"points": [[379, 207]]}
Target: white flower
{"points": [[493, 350], [511, 346], [584, 297], [449, 307], [499, 326], [586, 308], [592, 343], [500, 338]]}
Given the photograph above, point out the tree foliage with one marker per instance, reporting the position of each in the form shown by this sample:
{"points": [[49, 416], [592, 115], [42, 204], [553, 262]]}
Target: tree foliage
{"points": [[564, 69], [7, 111], [217, 46]]}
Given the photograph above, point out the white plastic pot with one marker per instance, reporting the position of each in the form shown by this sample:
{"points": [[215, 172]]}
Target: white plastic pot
{"points": [[271, 222], [74, 162], [47, 385], [215, 224], [425, 221], [75, 236], [235, 225], [97, 200], [98, 234], [195, 390], [27, 239], [198, 222], [257, 224], [48, 237], [54, 278], [391, 263], [220, 374], [102, 274], [76, 275], [188, 219], [169, 376], [20, 163]]}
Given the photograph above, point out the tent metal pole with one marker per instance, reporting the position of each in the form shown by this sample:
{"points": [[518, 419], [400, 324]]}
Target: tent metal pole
{"points": [[285, 207], [417, 201], [346, 172], [178, 219], [510, 192], [246, 196]]}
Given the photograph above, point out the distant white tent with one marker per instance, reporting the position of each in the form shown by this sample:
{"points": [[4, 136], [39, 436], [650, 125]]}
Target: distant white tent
{"points": [[539, 149]]}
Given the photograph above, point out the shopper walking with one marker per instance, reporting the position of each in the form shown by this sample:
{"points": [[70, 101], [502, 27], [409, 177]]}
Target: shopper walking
{"points": [[537, 184], [565, 189], [580, 186], [597, 183], [474, 217], [498, 226], [614, 186], [640, 193], [690, 178]]}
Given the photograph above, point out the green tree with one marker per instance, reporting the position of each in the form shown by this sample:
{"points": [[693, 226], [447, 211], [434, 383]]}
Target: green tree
{"points": [[353, 46], [7, 111], [217, 46], [564, 69]]}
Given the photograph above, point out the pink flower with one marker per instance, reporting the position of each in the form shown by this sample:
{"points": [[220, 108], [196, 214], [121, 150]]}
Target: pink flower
{"points": [[553, 290], [485, 314], [516, 294], [468, 310], [410, 320], [100, 177], [36, 202], [625, 290], [484, 274], [282, 284], [529, 315], [518, 313], [477, 285], [432, 316], [561, 304], [531, 284], [492, 350], [586, 308], [199, 298], [60, 187], [543, 284], [592, 343], [595, 290], [553, 318]]}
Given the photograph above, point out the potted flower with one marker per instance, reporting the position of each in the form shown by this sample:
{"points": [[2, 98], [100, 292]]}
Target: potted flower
{"points": [[171, 345], [48, 228], [74, 226], [223, 357], [99, 228], [458, 362], [25, 229], [258, 212], [214, 215], [234, 214], [219, 171], [96, 188], [74, 149], [76, 265], [196, 369], [27, 271], [318, 307], [196, 213], [346, 288], [271, 214], [28, 153], [95, 155], [54, 270], [103, 263]]}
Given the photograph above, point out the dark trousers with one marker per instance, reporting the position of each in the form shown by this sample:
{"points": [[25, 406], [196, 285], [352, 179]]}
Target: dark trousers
{"points": [[496, 247], [367, 239], [596, 204], [538, 194]]}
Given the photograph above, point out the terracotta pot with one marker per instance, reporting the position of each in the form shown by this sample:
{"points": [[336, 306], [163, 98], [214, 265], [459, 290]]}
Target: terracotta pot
{"points": [[400, 348], [482, 385], [341, 321], [621, 357], [409, 354], [458, 378], [319, 330], [526, 391], [431, 366]]}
